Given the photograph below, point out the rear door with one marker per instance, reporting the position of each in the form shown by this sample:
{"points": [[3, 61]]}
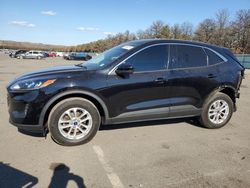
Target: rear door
{"points": [[190, 79]]}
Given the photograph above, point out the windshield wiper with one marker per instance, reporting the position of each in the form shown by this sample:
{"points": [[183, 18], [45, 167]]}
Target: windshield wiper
{"points": [[81, 65]]}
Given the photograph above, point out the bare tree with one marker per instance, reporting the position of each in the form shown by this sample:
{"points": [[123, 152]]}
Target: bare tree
{"points": [[176, 31], [206, 31], [187, 31], [222, 28], [241, 30]]}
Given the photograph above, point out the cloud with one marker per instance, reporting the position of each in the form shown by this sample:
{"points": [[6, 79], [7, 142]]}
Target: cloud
{"points": [[87, 29], [22, 24], [95, 29], [49, 13], [108, 33]]}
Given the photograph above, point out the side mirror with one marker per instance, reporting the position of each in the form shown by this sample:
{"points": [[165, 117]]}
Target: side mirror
{"points": [[124, 69]]}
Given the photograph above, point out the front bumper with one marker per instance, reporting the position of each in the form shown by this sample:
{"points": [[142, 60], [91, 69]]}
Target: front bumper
{"points": [[29, 128], [25, 109]]}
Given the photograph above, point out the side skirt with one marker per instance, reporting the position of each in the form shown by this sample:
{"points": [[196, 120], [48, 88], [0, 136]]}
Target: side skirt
{"points": [[155, 114]]}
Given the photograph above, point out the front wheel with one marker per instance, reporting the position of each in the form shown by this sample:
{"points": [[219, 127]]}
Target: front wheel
{"points": [[74, 121], [217, 111]]}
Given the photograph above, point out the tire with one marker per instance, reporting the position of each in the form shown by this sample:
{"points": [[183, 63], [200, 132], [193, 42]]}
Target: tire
{"points": [[62, 111], [209, 114]]}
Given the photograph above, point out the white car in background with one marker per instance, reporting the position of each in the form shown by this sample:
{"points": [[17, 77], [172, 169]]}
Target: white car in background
{"points": [[59, 54], [32, 55]]}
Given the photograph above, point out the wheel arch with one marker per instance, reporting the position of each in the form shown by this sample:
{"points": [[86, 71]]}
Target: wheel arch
{"points": [[96, 100], [230, 91], [226, 89]]}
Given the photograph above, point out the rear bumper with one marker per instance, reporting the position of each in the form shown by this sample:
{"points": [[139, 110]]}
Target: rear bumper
{"points": [[237, 95]]}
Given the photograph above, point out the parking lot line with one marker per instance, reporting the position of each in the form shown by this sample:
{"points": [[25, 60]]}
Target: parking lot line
{"points": [[113, 177]]}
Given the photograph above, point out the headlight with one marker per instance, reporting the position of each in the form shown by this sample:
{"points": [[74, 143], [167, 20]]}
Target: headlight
{"points": [[31, 84]]}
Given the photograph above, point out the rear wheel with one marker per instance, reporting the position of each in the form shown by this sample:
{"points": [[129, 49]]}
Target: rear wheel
{"points": [[74, 121], [217, 111]]}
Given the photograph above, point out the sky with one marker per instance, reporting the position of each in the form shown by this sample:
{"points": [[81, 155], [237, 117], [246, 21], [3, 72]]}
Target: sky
{"points": [[82, 21]]}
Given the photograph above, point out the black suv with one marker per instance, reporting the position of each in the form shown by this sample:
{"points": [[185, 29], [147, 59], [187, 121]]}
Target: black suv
{"points": [[135, 81]]}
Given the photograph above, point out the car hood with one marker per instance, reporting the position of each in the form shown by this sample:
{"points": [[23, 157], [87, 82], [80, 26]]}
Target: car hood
{"points": [[52, 71]]}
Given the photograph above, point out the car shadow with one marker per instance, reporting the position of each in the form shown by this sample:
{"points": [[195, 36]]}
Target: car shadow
{"points": [[190, 121], [12, 177]]}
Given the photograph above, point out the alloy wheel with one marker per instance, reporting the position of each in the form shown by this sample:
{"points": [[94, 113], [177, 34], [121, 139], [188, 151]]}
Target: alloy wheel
{"points": [[218, 111], [75, 123]]}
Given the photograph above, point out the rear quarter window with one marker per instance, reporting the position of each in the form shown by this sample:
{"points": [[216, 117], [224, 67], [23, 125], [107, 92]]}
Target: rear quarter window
{"points": [[212, 57]]}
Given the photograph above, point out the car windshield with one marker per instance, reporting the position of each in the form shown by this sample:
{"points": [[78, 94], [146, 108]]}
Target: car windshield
{"points": [[107, 57]]}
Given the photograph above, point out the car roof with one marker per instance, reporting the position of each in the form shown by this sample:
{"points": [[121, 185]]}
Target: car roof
{"points": [[146, 42]]}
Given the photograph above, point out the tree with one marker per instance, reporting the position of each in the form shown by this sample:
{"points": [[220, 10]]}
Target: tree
{"points": [[241, 30], [165, 32], [206, 31], [222, 28], [176, 31], [222, 31], [186, 31], [156, 29]]}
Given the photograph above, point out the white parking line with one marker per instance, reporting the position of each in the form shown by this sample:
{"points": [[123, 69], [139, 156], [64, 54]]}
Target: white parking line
{"points": [[113, 177]]}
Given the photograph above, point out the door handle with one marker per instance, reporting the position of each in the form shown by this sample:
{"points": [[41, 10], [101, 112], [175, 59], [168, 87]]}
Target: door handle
{"points": [[160, 80], [211, 76]]}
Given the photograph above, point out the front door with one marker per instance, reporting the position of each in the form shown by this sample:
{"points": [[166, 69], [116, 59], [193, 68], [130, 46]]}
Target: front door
{"points": [[142, 94]]}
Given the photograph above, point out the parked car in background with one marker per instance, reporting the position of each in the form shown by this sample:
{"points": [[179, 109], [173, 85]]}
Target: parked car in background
{"points": [[52, 54], [17, 53], [78, 56], [46, 54], [32, 55], [135, 81], [12, 52], [7, 51], [66, 55], [59, 54]]}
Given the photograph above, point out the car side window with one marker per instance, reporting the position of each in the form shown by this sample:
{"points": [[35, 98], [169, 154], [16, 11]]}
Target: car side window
{"points": [[150, 59], [184, 56], [212, 57]]}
